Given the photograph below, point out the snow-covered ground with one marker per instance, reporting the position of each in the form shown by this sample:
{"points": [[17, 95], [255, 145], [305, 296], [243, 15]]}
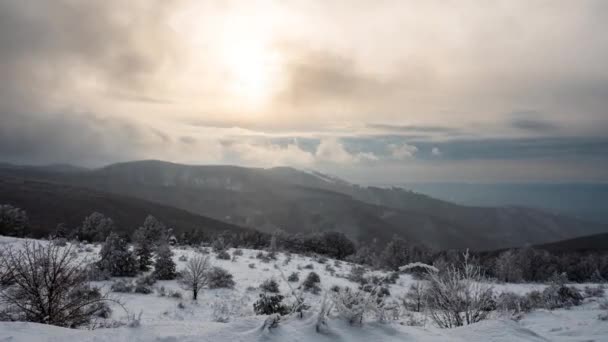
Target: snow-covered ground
{"points": [[171, 319]]}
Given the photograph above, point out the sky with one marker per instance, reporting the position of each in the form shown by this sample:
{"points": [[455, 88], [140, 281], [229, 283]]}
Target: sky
{"points": [[372, 91]]}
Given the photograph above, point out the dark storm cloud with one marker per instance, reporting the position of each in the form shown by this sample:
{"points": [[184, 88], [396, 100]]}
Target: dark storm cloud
{"points": [[66, 138], [47, 48]]}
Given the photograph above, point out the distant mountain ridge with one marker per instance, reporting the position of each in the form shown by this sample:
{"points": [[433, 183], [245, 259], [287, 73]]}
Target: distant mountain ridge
{"points": [[308, 201]]}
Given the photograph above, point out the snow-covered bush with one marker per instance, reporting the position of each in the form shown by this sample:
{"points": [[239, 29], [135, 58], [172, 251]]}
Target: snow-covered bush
{"points": [[270, 304], [47, 285], [514, 304], [175, 294], [458, 296], [594, 291], [293, 277], [220, 278], [223, 255], [311, 283], [418, 269], [164, 266], [352, 305], [220, 312], [270, 285], [357, 274], [561, 296], [146, 280], [142, 288], [271, 322], [122, 286], [330, 269], [219, 244]]}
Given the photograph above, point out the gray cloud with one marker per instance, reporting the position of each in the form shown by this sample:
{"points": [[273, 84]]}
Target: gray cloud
{"points": [[414, 128], [534, 125], [80, 83]]}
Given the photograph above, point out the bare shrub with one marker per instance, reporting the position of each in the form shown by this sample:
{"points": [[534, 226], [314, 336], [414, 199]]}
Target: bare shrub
{"points": [[238, 252], [458, 296], [46, 284], [414, 297], [194, 276]]}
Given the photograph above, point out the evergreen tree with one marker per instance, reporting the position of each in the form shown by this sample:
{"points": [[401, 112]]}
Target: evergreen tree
{"points": [[143, 249], [116, 257], [164, 267]]}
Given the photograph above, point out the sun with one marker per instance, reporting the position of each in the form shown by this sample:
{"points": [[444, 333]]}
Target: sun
{"points": [[252, 70]]}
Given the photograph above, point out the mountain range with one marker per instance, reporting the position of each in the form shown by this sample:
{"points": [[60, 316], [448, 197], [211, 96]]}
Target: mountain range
{"points": [[299, 201]]}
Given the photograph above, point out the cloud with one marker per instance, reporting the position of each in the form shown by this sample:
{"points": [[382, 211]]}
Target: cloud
{"points": [[413, 128], [331, 150], [534, 125], [436, 151], [403, 151]]}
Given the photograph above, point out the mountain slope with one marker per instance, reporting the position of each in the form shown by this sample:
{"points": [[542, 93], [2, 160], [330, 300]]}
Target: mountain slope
{"points": [[49, 204], [297, 201], [598, 242]]}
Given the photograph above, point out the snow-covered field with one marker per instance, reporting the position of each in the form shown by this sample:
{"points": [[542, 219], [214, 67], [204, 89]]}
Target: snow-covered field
{"points": [[171, 319]]}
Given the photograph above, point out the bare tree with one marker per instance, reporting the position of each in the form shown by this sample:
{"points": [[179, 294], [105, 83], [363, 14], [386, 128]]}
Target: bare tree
{"points": [[195, 276], [46, 284], [414, 298], [458, 296]]}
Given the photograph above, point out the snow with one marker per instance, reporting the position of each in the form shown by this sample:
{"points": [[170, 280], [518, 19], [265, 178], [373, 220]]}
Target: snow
{"points": [[163, 320]]}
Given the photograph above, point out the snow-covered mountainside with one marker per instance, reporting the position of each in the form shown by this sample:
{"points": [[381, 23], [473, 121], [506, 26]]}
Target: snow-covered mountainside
{"points": [[227, 314]]}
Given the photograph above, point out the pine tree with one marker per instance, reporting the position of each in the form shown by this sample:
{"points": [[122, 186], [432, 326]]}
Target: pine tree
{"points": [[143, 249], [116, 257], [164, 267]]}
